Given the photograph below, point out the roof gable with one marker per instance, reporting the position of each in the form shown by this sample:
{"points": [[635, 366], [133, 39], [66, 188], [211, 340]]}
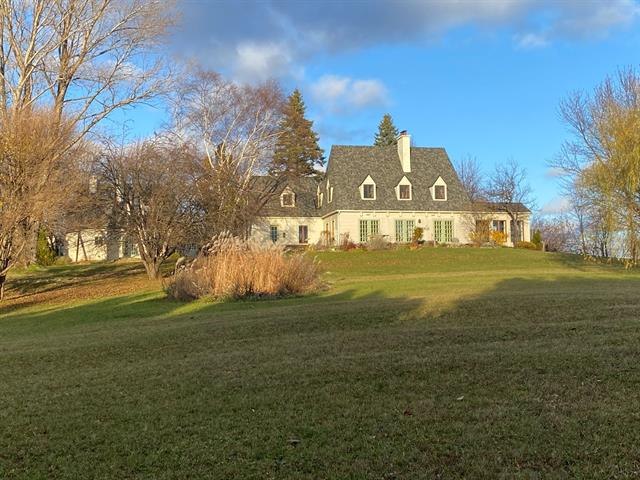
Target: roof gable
{"points": [[348, 165]]}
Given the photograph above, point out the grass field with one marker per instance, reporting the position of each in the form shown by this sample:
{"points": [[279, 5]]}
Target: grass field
{"points": [[436, 363]]}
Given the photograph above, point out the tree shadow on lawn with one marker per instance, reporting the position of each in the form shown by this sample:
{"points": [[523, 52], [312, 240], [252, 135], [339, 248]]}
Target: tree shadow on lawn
{"points": [[349, 307], [528, 377], [78, 282], [51, 278]]}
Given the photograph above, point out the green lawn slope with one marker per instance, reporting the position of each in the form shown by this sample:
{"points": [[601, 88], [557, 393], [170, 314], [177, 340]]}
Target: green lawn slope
{"points": [[435, 363]]}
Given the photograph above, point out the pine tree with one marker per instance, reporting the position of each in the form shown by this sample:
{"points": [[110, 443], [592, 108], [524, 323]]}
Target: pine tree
{"points": [[387, 132], [297, 151]]}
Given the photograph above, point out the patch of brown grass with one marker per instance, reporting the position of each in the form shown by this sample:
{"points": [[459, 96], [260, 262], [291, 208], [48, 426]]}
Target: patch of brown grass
{"points": [[232, 268], [77, 283]]}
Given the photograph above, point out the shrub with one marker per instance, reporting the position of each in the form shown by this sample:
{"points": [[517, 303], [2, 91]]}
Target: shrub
{"points": [[232, 268], [417, 234], [527, 245], [346, 244], [537, 239], [45, 255], [377, 242], [499, 238]]}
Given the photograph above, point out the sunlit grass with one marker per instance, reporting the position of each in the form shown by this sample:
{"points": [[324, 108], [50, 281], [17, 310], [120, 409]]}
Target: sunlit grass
{"points": [[411, 364]]}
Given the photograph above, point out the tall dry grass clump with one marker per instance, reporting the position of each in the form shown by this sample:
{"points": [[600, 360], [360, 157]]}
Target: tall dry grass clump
{"points": [[229, 267]]}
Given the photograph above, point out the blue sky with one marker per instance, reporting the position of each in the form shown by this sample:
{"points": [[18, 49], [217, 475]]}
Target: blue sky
{"points": [[480, 78]]}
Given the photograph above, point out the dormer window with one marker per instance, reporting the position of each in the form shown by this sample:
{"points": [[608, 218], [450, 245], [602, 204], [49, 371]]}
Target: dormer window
{"points": [[368, 189], [439, 190], [403, 189], [288, 198]]}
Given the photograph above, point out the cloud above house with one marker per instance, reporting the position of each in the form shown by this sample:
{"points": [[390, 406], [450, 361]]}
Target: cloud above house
{"points": [[340, 94], [556, 206], [257, 39]]}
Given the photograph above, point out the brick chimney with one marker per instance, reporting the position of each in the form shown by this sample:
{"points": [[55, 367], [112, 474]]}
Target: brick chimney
{"points": [[404, 151]]}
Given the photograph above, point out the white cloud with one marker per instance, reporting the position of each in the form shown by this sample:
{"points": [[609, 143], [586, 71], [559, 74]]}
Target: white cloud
{"points": [[367, 93], [272, 38], [346, 95], [556, 206], [555, 172], [330, 88], [258, 62], [532, 40]]}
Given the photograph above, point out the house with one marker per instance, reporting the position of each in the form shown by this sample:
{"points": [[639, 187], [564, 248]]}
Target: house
{"points": [[387, 191], [99, 244]]}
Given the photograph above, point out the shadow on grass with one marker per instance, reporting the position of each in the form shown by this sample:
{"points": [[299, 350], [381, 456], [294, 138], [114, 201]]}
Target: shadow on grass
{"points": [[526, 378], [56, 277], [350, 306]]}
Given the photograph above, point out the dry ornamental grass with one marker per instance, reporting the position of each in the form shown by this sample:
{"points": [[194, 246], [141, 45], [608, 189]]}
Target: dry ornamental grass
{"points": [[229, 267]]}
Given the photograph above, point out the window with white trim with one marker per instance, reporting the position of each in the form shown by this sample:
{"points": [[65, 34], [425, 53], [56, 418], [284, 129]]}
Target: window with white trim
{"points": [[404, 230], [439, 190], [404, 189], [368, 189], [303, 234], [368, 228], [443, 231], [288, 198]]}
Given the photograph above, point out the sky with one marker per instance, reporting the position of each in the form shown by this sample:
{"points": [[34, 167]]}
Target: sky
{"points": [[479, 78]]}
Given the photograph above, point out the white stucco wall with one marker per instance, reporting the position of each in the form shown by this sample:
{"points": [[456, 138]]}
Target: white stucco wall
{"points": [[348, 223], [287, 229], [89, 247]]}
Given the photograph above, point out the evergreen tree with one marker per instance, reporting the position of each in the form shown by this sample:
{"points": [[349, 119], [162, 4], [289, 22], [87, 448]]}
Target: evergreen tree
{"points": [[297, 151], [387, 132]]}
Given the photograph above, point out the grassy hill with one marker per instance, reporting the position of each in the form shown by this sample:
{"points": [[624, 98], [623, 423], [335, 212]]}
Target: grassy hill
{"points": [[411, 364]]}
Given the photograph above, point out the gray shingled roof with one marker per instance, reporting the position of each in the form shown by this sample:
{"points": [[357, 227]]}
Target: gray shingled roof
{"points": [[488, 207], [349, 166], [305, 189]]}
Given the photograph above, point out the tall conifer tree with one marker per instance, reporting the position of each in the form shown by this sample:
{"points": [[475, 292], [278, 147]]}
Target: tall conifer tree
{"points": [[297, 151], [387, 132]]}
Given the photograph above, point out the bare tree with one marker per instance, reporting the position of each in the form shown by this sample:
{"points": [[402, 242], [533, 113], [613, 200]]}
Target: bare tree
{"points": [[68, 64], [509, 189], [31, 170], [85, 58], [557, 232], [150, 197], [471, 177], [234, 128]]}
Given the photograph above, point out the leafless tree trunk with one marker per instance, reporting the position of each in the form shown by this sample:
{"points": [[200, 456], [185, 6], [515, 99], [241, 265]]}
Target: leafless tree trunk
{"points": [[509, 189], [150, 196], [66, 65], [31, 171], [234, 129]]}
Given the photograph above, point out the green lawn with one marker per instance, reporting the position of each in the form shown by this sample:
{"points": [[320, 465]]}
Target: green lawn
{"points": [[436, 363]]}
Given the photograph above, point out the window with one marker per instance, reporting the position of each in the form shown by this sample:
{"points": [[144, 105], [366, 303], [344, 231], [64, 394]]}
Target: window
{"points": [[303, 234], [368, 191], [520, 231], [439, 190], [405, 192], [288, 200], [498, 226], [98, 241], [443, 231], [368, 228], [404, 230], [274, 233]]}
